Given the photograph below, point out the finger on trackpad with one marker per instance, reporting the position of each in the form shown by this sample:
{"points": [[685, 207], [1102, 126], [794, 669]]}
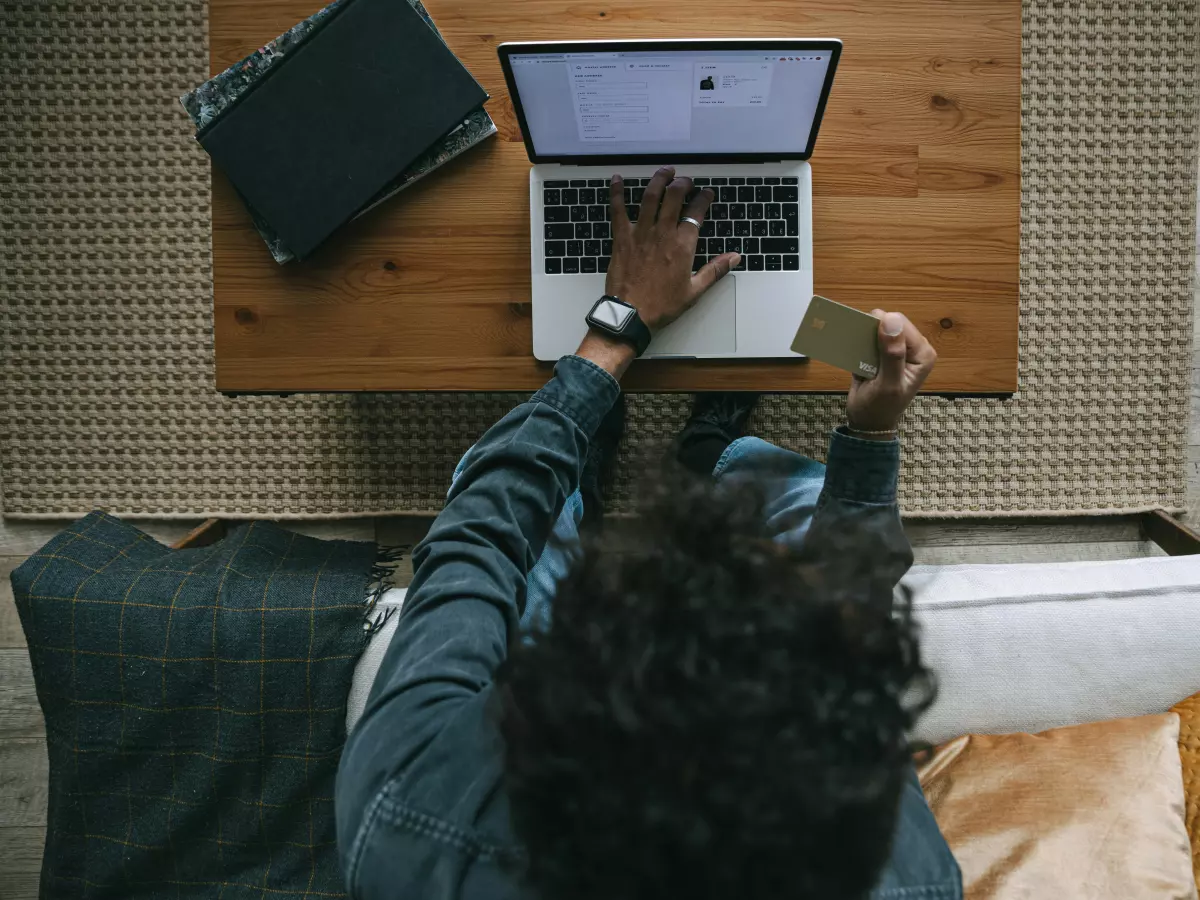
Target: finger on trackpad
{"points": [[707, 329]]}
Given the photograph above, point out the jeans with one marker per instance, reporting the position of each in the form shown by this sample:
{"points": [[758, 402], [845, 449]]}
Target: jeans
{"points": [[791, 484]]}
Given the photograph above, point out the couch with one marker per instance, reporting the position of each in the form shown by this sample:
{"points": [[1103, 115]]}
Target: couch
{"points": [[1027, 647]]}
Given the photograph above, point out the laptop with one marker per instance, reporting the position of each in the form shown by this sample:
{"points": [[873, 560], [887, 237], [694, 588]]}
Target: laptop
{"points": [[739, 116]]}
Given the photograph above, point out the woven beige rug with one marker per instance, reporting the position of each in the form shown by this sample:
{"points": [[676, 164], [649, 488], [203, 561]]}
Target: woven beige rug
{"points": [[106, 298]]}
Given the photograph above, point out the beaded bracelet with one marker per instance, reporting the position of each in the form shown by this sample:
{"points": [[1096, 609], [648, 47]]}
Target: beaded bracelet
{"points": [[851, 428]]}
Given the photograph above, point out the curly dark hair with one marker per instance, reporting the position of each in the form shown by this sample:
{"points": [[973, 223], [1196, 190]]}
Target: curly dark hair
{"points": [[711, 713]]}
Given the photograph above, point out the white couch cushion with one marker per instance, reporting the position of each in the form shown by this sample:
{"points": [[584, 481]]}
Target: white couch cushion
{"points": [[368, 664], [1028, 647]]}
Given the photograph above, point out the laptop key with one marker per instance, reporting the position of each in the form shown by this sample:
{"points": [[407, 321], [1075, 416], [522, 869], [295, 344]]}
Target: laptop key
{"points": [[587, 196], [556, 184], [737, 211], [745, 195], [771, 180], [698, 263], [750, 245], [560, 232], [602, 195], [774, 263], [633, 210], [754, 181], [587, 264], [776, 245], [582, 230], [638, 194], [719, 181], [759, 229], [755, 211], [791, 263], [778, 227], [741, 266], [595, 213], [708, 229], [741, 228], [791, 180], [724, 228], [718, 211], [701, 182], [578, 182], [754, 263], [600, 230], [574, 248], [597, 182], [556, 214], [569, 196], [716, 246], [602, 263], [579, 213], [762, 194], [737, 180], [591, 248], [553, 266], [606, 248], [552, 198], [556, 248], [774, 210], [791, 215], [728, 194], [733, 245], [570, 266], [786, 194]]}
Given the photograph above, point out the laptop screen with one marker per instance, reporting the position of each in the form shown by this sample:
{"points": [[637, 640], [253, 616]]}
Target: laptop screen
{"points": [[735, 102]]}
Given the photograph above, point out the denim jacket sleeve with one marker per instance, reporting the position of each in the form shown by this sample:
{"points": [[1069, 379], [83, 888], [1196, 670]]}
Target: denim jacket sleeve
{"points": [[858, 505], [418, 798]]}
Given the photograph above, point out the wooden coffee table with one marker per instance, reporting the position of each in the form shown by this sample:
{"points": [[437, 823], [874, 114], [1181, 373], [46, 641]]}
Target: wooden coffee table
{"points": [[916, 208]]}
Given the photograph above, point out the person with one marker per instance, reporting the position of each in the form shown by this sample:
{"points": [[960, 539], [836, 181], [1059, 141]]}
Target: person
{"points": [[713, 704]]}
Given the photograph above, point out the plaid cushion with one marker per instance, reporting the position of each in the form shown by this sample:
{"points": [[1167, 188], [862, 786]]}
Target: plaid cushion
{"points": [[195, 706]]}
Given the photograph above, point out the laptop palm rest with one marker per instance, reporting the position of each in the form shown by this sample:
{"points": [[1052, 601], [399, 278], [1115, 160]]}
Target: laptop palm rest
{"points": [[707, 329]]}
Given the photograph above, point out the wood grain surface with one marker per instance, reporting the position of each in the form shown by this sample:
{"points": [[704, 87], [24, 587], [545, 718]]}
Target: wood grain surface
{"points": [[916, 207]]}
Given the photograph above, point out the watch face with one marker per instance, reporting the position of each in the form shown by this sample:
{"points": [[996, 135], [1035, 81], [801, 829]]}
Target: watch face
{"points": [[612, 315]]}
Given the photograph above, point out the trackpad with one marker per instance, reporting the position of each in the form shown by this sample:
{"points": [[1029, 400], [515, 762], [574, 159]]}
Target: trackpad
{"points": [[707, 329]]}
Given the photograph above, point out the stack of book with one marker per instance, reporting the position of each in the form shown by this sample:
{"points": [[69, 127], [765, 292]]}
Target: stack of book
{"points": [[336, 115]]}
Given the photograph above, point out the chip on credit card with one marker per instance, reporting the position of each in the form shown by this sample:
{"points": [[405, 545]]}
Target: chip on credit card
{"points": [[841, 336]]}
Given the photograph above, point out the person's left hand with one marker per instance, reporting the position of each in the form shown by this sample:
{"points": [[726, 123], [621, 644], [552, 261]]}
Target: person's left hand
{"points": [[651, 266]]}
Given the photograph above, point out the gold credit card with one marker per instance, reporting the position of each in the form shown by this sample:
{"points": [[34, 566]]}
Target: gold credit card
{"points": [[841, 336]]}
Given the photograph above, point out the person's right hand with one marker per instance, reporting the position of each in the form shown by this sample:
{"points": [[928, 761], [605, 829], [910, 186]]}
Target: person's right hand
{"points": [[905, 360]]}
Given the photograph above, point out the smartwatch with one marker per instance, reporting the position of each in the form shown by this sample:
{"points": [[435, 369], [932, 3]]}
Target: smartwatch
{"points": [[617, 319]]}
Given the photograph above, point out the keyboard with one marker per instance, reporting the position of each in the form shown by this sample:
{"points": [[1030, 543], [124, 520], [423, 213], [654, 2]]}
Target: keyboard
{"points": [[758, 217]]}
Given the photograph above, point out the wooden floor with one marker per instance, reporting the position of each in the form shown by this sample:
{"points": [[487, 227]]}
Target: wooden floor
{"points": [[22, 734]]}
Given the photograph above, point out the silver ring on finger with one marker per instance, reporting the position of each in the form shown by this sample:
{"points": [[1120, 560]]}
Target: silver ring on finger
{"points": [[690, 220]]}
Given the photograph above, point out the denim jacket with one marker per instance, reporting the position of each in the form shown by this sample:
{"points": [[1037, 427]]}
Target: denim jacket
{"points": [[421, 807]]}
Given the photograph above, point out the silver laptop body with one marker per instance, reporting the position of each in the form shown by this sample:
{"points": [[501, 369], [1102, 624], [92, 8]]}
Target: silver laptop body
{"points": [[739, 116]]}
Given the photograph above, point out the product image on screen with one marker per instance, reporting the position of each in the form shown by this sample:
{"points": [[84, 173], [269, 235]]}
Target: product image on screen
{"points": [[656, 102]]}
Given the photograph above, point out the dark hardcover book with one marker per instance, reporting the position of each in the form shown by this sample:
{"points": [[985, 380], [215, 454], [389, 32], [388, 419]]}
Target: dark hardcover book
{"points": [[211, 100], [342, 116]]}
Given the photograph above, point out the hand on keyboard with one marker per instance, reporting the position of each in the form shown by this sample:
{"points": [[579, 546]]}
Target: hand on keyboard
{"points": [[652, 259]]}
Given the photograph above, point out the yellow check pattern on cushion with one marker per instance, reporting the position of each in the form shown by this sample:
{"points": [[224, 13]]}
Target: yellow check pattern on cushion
{"points": [[195, 705]]}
